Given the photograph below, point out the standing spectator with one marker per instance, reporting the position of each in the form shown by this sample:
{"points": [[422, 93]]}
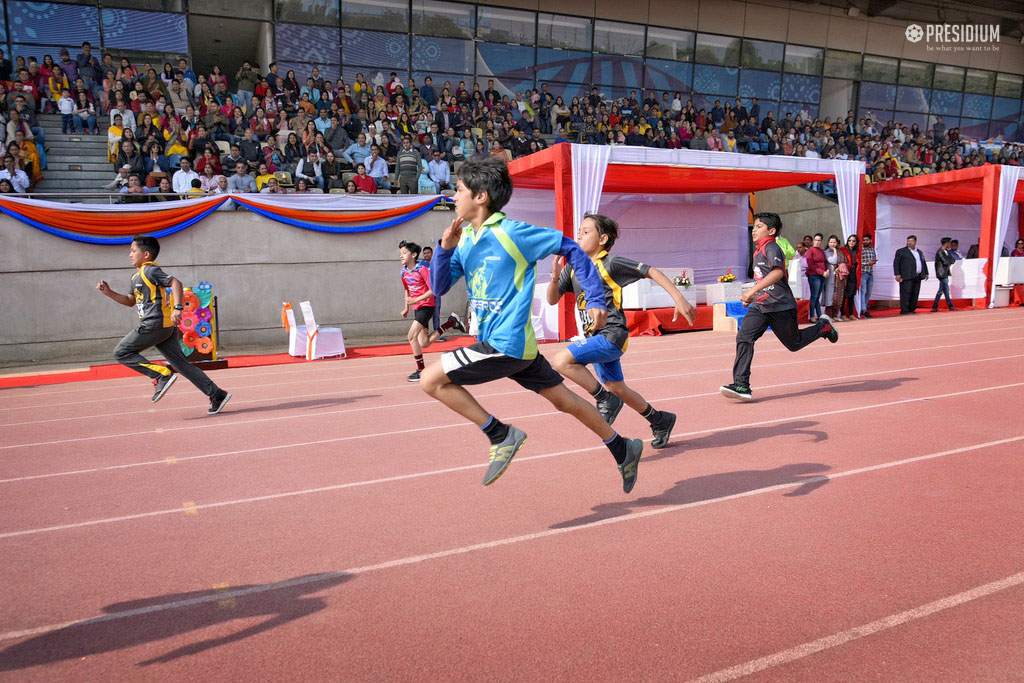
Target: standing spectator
{"points": [[246, 80], [943, 263], [910, 269], [849, 308], [18, 178], [817, 274], [408, 164], [838, 272], [954, 249], [182, 180], [89, 71], [69, 67], [66, 107], [868, 259], [5, 67]]}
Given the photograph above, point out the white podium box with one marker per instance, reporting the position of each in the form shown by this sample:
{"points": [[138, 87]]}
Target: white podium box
{"points": [[646, 293], [1001, 296], [1010, 271], [724, 292]]}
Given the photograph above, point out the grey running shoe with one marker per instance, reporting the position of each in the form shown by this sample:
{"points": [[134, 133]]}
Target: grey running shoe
{"points": [[610, 407], [634, 449], [736, 391], [414, 377], [663, 431], [502, 454], [828, 330], [162, 385], [218, 401]]}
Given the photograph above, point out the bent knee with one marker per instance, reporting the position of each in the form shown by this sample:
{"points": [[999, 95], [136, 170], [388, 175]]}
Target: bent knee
{"points": [[563, 360]]}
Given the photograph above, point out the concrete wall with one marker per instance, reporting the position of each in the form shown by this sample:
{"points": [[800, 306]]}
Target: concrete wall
{"points": [[50, 309], [802, 212]]}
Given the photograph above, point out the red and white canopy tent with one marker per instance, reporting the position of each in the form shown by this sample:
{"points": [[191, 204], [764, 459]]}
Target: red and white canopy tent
{"points": [[661, 197], [975, 205]]}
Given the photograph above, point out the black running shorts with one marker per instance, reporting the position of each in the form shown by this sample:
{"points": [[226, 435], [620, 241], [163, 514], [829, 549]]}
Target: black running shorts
{"points": [[423, 315], [481, 363]]}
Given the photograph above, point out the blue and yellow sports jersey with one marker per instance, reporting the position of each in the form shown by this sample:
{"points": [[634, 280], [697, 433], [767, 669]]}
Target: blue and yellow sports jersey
{"points": [[499, 263]]}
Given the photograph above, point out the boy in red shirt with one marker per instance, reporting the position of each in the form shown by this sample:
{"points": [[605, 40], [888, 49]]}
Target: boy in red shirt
{"points": [[419, 296]]}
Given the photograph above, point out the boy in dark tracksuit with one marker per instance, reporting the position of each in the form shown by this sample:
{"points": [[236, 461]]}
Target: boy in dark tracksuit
{"points": [[158, 326], [770, 304]]}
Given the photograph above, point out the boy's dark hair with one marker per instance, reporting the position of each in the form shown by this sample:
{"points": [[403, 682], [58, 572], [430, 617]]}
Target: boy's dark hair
{"points": [[945, 240], [771, 221], [818, 234], [489, 175], [411, 247], [912, 237], [605, 226], [196, 182], [148, 243]]}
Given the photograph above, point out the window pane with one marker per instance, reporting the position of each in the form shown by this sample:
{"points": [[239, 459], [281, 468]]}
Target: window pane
{"points": [[506, 26], [563, 66], [907, 119], [308, 11], [557, 30], [719, 50], [877, 95], [311, 44], [761, 54], [622, 72], [947, 102], [154, 5], [45, 22], [881, 69], [764, 85], [1008, 85], [258, 9], [877, 116], [1003, 107], [442, 54], [804, 60], [913, 99], [840, 64], [716, 80], [1004, 130], [801, 88], [980, 82], [383, 50], [617, 38], [977, 106], [433, 18], [973, 128], [916, 73], [391, 15], [135, 30], [666, 43], [504, 62], [948, 77], [667, 75]]}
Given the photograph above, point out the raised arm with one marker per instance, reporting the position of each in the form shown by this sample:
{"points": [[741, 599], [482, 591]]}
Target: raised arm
{"points": [[122, 299], [444, 274]]}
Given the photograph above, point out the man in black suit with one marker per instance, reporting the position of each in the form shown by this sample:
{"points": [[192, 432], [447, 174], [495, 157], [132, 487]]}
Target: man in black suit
{"points": [[910, 268]]}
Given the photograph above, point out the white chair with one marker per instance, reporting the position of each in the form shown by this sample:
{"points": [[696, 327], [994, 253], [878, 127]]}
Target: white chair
{"points": [[324, 342], [297, 340]]}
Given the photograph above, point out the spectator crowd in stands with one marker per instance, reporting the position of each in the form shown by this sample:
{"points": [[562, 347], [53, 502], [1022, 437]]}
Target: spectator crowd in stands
{"points": [[279, 131]]}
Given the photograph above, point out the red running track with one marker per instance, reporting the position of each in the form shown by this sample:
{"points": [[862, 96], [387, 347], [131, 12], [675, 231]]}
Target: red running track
{"points": [[860, 520]]}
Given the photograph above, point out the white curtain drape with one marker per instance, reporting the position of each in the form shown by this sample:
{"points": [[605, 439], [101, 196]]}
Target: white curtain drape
{"points": [[848, 175], [1008, 177], [589, 165]]}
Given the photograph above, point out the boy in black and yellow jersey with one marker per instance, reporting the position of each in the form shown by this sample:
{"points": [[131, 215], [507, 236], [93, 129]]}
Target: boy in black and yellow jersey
{"points": [[604, 347], [158, 326]]}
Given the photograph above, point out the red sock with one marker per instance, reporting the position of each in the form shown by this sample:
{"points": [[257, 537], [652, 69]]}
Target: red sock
{"points": [[419, 362]]}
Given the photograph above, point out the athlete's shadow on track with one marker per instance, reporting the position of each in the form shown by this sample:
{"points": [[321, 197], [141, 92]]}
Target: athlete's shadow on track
{"points": [[137, 622], [712, 486], [851, 387], [295, 405], [731, 438]]}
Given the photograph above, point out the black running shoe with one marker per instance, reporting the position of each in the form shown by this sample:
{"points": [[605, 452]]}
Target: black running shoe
{"points": [[628, 468], [218, 401], [162, 385], [828, 330], [414, 377], [457, 323], [663, 431], [736, 391], [610, 407], [502, 454]]}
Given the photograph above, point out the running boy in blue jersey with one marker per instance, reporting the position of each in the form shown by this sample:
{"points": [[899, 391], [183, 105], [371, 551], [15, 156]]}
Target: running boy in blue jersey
{"points": [[498, 258], [604, 347]]}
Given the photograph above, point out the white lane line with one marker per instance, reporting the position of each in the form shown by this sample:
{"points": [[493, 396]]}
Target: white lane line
{"points": [[452, 552], [262, 449], [416, 475], [301, 416], [320, 370], [836, 639]]}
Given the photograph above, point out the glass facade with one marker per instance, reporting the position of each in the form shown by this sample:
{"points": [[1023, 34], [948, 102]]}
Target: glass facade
{"points": [[521, 49]]}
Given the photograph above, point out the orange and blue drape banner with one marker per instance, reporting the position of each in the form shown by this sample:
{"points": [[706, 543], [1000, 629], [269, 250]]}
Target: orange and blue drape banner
{"points": [[112, 225]]}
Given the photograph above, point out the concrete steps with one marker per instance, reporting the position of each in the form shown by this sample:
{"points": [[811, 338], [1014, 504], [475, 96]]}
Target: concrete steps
{"points": [[76, 162]]}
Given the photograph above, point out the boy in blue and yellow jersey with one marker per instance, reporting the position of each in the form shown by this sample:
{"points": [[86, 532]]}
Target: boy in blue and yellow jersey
{"points": [[158, 326], [498, 258], [604, 347]]}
